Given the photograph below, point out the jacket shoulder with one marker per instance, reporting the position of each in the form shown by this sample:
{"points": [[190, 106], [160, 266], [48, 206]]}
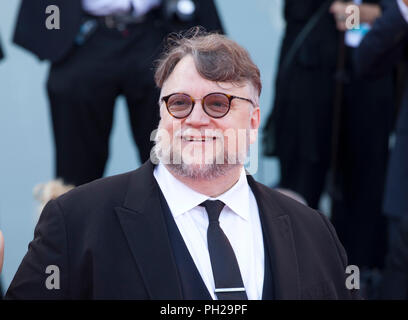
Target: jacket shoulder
{"points": [[308, 225], [288, 204], [99, 196]]}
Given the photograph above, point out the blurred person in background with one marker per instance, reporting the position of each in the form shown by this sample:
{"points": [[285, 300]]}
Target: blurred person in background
{"points": [[1, 236], [1, 260], [1, 250], [380, 51], [100, 49], [394, 283], [320, 130], [1, 52]]}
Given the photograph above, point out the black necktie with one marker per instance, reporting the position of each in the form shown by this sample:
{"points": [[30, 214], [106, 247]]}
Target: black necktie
{"points": [[227, 277]]}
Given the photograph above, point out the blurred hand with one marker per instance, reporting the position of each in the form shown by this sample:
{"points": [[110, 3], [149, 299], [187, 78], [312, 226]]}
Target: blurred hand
{"points": [[368, 13], [1, 250], [338, 9], [406, 2]]}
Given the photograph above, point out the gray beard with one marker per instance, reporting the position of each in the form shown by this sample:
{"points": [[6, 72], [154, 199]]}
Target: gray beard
{"points": [[194, 171], [202, 171], [206, 171]]}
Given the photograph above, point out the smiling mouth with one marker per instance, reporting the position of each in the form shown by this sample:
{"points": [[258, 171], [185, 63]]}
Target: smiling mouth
{"points": [[198, 139]]}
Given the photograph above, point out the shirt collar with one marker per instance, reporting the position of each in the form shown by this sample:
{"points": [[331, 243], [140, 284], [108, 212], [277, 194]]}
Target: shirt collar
{"points": [[237, 198], [181, 198]]}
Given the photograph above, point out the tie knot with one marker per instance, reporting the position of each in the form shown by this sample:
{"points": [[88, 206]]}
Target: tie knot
{"points": [[213, 208]]}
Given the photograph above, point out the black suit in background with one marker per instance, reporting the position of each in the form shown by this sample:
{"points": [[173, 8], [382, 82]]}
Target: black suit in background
{"points": [[111, 239], [85, 80], [299, 131], [382, 48], [394, 283], [1, 51], [1, 57]]}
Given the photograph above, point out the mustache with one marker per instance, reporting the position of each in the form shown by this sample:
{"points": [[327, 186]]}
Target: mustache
{"points": [[208, 133]]}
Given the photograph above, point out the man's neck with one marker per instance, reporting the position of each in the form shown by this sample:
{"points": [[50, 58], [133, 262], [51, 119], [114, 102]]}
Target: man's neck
{"points": [[211, 187]]}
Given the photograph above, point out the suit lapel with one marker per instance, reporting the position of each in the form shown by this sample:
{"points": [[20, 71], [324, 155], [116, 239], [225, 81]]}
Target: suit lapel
{"points": [[279, 241], [142, 222]]}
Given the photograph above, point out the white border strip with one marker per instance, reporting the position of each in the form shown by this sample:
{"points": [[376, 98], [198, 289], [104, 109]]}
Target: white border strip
{"points": [[229, 289]]}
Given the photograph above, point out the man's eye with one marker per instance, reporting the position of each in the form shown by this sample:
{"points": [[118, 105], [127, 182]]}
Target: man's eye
{"points": [[179, 103], [217, 104]]}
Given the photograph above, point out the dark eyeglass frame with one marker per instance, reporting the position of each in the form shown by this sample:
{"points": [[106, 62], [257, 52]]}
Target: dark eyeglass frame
{"points": [[193, 101]]}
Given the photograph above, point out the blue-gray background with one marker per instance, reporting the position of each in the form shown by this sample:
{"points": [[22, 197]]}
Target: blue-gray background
{"points": [[26, 145]]}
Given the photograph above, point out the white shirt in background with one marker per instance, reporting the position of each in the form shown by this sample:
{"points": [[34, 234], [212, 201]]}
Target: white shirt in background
{"points": [[110, 7], [404, 9]]}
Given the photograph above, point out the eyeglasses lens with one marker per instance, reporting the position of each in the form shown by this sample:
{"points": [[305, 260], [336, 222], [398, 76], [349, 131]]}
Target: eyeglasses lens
{"points": [[216, 105], [179, 105]]}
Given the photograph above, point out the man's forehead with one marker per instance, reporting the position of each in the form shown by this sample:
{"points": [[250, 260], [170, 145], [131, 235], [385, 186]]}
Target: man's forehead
{"points": [[185, 78]]}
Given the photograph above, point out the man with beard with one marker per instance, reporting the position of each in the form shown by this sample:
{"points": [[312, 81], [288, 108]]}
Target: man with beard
{"points": [[194, 226]]}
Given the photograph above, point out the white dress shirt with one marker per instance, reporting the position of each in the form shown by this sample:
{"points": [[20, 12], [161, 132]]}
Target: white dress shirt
{"points": [[239, 220], [404, 9], [108, 7]]}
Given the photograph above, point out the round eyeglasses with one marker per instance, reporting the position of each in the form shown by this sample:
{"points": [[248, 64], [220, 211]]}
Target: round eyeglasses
{"points": [[216, 104]]}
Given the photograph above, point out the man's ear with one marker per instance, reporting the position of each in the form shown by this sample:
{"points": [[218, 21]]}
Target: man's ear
{"points": [[255, 121], [255, 118]]}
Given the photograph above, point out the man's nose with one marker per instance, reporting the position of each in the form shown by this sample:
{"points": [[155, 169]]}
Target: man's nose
{"points": [[198, 117]]}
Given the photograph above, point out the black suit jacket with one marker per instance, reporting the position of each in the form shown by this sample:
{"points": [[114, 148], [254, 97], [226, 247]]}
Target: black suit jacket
{"points": [[109, 240], [381, 49], [31, 33], [395, 275]]}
